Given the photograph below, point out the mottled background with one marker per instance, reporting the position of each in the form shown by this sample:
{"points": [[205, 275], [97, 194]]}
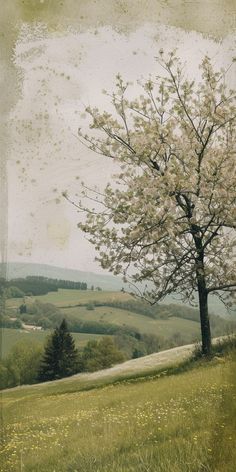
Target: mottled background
{"points": [[56, 57]]}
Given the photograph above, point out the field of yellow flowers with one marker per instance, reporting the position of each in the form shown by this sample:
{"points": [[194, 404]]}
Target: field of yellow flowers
{"points": [[178, 423]]}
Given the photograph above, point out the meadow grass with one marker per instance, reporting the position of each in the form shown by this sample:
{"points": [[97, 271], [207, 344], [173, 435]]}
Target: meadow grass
{"points": [[176, 423]]}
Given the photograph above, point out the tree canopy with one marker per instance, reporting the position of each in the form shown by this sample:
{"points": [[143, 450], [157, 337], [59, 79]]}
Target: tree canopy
{"points": [[169, 216]]}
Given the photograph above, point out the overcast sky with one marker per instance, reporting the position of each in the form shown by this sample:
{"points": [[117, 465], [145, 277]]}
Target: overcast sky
{"points": [[59, 74]]}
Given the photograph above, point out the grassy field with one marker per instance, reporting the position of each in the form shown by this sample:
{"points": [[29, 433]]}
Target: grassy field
{"points": [[72, 297], [188, 329], [11, 336], [180, 423]]}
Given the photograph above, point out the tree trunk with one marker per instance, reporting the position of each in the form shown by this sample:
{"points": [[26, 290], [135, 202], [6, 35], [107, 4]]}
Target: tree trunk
{"points": [[202, 291], [204, 317]]}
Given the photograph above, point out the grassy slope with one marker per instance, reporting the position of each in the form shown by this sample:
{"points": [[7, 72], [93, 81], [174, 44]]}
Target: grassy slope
{"points": [[71, 297], [11, 336], [169, 424], [188, 329]]}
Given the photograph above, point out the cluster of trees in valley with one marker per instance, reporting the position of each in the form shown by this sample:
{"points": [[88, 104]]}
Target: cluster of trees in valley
{"points": [[125, 342], [29, 362]]}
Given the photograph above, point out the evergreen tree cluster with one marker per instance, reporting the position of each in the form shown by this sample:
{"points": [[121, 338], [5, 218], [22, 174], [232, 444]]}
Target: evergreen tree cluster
{"points": [[37, 285], [28, 363], [62, 359], [58, 283]]}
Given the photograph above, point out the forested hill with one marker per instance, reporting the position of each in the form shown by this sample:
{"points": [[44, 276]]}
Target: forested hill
{"points": [[22, 270], [39, 285]]}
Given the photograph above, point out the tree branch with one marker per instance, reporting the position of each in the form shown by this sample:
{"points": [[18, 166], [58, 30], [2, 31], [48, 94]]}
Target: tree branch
{"points": [[226, 287]]}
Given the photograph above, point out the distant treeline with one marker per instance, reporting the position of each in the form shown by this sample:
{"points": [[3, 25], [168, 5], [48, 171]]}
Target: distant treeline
{"points": [[156, 312], [59, 283], [95, 327], [38, 285]]}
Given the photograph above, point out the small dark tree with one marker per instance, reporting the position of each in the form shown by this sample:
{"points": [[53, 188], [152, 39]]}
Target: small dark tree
{"points": [[68, 360], [60, 357], [23, 308]]}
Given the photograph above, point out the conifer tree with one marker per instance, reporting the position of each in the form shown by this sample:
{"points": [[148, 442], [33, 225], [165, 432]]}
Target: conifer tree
{"points": [[60, 357]]}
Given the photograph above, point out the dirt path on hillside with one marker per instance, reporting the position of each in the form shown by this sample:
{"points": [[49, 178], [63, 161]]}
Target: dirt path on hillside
{"points": [[143, 364], [156, 361]]}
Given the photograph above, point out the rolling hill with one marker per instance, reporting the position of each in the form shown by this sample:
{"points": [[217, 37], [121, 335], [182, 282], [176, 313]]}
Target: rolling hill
{"points": [[106, 282], [136, 325]]}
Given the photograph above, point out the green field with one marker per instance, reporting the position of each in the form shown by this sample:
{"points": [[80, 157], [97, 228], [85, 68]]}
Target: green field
{"points": [[188, 329], [9, 337], [72, 297], [181, 423]]}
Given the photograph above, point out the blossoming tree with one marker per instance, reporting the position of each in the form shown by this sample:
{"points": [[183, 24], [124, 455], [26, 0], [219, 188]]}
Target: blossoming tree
{"points": [[169, 216]]}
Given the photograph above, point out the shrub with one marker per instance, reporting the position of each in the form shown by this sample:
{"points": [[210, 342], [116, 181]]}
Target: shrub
{"points": [[21, 365], [101, 354], [90, 306]]}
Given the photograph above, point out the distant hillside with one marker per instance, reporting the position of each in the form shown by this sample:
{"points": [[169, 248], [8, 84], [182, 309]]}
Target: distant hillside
{"points": [[106, 282]]}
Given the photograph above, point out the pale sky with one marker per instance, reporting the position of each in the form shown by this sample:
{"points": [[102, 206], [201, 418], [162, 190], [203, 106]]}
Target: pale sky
{"points": [[60, 74]]}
